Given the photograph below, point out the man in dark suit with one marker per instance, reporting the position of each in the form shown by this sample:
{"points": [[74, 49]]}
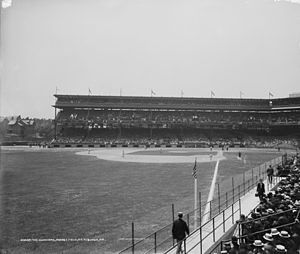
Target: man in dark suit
{"points": [[270, 173], [179, 231], [260, 189]]}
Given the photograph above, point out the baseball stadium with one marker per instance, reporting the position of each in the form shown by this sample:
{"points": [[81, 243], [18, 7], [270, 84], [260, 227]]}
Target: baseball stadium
{"points": [[120, 168]]}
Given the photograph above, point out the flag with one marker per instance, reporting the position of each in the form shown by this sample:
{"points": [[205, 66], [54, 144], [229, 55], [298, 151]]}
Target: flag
{"points": [[270, 94], [90, 92], [181, 93], [195, 170], [241, 94], [152, 92], [212, 94], [6, 3]]}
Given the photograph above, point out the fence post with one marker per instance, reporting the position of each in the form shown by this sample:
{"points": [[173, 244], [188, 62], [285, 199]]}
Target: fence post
{"points": [[173, 218], [244, 180], [232, 189], [200, 212], [224, 229], [132, 237], [232, 211], [252, 177], [155, 242], [200, 234], [226, 199], [210, 210], [219, 198], [214, 233], [184, 245], [240, 207], [239, 190]]}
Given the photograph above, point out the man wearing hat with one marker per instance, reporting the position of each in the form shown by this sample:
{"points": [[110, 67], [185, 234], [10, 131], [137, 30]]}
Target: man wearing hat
{"points": [[275, 236], [179, 231], [260, 189], [268, 246], [270, 173], [235, 245], [280, 249], [285, 240], [258, 247]]}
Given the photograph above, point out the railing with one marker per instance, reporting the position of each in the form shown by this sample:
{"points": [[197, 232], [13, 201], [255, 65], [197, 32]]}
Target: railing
{"points": [[220, 246], [208, 231], [161, 240]]}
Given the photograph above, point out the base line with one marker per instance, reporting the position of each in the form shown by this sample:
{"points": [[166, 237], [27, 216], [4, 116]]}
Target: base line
{"points": [[211, 194]]}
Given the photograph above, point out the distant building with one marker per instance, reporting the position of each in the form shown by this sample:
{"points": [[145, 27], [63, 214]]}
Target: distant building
{"points": [[20, 127]]}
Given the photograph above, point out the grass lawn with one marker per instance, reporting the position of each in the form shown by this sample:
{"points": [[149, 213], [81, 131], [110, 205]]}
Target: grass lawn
{"points": [[58, 194]]}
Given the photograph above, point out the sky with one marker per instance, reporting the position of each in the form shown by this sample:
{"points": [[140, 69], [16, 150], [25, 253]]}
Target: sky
{"points": [[133, 46]]}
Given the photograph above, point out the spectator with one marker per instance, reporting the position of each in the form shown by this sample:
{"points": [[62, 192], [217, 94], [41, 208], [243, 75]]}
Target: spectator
{"points": [[260, 189], [179, 231], [270, 173]]}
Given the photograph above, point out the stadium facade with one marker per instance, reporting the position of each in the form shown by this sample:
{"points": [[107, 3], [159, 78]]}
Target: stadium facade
{"points": [[89, 116]]}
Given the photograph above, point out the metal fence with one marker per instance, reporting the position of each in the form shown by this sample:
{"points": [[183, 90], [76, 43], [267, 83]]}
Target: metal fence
{"points": [[208, 232], [161, 240]]}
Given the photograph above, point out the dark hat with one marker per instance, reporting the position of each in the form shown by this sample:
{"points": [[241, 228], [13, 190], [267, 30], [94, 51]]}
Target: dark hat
{"points": [[234, 239]]}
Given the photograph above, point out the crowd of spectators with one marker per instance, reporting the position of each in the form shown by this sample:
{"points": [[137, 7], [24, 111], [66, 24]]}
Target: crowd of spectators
{"points": [[167, 119], [188, 137], [273, 227]]}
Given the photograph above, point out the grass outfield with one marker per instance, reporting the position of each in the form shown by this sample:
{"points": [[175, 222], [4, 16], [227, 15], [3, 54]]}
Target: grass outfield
{"points": [[58, 194]]}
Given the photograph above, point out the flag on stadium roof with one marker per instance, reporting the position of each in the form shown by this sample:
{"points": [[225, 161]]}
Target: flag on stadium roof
{"points": [[195, 170], [212, 94], [152, 92], [270, 94], [90, 92]]}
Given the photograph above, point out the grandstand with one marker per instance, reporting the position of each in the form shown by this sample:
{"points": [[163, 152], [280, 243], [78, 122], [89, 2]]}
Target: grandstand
{"points": [[87, 118]]}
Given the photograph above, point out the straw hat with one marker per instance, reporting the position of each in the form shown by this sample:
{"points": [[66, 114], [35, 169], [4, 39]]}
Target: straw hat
{"points": [[258, 243], [280, 249], [274, 231], [268, 237], [284, 234]]}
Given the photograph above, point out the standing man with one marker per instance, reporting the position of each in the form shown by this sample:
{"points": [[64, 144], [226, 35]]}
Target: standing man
{"points": [[179, 231], [260, 189], [270, 173]]}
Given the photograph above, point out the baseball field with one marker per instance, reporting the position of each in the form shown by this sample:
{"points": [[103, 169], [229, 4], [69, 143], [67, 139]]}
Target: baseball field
{"points": [[84, 200]]}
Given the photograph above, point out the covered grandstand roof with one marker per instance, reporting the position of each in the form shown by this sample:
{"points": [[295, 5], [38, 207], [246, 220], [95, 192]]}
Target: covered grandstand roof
{"points": [[173, 103]]}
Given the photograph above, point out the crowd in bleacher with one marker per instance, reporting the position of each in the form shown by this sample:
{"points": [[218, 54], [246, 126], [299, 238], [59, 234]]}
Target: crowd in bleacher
{"points": [[174, 137], [166, 119], [273, 226]]}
